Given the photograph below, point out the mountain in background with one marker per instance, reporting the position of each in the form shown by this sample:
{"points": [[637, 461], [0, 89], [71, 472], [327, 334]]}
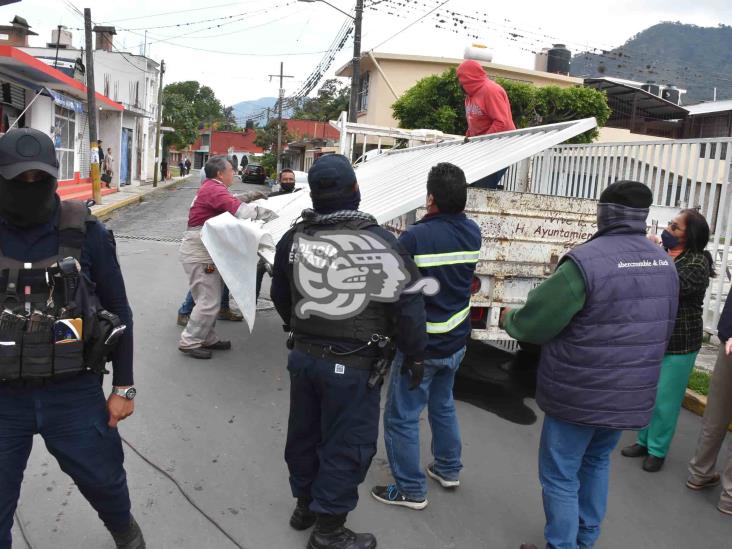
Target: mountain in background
{"points": [[244, 109], [693, 58]]}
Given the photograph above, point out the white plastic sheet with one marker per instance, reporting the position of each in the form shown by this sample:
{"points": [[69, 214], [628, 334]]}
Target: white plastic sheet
{"points": [[233, 245]]}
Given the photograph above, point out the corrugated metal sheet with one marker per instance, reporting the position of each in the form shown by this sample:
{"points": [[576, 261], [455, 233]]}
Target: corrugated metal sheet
{"points": [[394, 183]]}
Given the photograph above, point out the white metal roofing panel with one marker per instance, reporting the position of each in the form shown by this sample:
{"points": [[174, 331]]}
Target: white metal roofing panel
{"points": [[394, 183], [709, 107]]}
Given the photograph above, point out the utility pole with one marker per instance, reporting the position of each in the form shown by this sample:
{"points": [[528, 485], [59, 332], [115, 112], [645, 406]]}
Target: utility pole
{"points": [[356, 63], [92, 108], [159, 121], [58, 40], [279, 115]]}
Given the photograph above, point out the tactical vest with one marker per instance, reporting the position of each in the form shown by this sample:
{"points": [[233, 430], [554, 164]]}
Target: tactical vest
{"points": [[52, 325], [374, 319]]}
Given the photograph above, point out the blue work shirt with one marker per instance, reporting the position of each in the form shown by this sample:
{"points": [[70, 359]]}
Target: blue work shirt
{"points": [[99, 264], [446, 247]]}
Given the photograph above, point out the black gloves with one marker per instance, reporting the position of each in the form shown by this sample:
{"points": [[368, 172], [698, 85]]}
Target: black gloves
{"points": [[415, 370]]}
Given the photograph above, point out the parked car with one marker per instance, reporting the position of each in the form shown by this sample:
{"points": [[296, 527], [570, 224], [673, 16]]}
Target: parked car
{"points": [[254, 173]]}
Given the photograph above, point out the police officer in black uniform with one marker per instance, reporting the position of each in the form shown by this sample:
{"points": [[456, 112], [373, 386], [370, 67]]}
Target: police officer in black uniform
{"points": [[64, 313], [335, 366]]}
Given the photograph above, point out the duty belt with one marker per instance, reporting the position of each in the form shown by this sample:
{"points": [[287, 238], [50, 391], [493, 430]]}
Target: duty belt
{"points": [[324, 352]]}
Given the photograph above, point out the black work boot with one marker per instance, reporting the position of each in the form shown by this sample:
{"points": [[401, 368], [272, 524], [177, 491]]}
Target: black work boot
{"points": [[330, 533], [302, 517], [130, 538]]}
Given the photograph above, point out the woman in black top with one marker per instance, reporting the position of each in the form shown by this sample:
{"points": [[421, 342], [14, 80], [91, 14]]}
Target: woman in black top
{"points": [[685, 239]]}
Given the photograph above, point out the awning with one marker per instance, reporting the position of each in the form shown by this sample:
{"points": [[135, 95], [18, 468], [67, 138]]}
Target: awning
{"points": [[645, 102], [65, 101], [34, 74], [394, 183]]}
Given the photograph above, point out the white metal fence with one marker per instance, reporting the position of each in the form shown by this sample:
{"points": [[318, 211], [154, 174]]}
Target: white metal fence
{"points": [[693, 173]]}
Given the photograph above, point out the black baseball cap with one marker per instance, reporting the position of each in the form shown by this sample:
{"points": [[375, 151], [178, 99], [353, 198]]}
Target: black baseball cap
{"points": [[26, 149], [628, 193], [331, 174]]}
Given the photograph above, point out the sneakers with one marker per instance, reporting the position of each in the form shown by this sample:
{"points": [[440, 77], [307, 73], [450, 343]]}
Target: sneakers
{"points": [[445, 483], [390, 495], [714, 481], [183, 320], [230, 314], [197, 352], [130, 538], [723, 510], [634, 451]]}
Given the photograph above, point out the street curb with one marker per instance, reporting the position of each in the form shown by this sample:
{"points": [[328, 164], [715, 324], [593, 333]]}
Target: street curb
{"points": [[106, 211], [697, 403]]}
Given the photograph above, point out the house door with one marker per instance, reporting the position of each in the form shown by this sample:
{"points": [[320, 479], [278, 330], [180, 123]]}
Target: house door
{"points": [[125, 157]]}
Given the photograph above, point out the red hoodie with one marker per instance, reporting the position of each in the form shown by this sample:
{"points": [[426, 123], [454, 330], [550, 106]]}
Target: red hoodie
{"points": [[486, 103]]}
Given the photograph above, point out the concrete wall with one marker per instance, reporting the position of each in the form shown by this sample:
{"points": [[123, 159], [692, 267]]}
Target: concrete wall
{"points": [[41, 114], [110, 132]]}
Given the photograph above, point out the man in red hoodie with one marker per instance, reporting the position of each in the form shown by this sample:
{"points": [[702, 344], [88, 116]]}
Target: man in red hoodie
{"points": [[487, 110]]}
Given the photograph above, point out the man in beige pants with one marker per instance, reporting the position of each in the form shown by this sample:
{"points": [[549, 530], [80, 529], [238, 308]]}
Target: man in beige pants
{"points": [[717, 417], [213, 198]]}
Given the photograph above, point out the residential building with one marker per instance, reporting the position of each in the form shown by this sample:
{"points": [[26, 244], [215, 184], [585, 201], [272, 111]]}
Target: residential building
{"points": [[386, 76], [128, 80], [36, 95], [308, 140]]}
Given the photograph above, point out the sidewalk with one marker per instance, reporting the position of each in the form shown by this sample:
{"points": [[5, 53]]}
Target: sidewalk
{"points": [[129, 195]]}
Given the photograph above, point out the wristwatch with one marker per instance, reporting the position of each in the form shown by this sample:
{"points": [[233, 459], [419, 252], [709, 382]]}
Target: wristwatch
{"points": [[128, 393]]}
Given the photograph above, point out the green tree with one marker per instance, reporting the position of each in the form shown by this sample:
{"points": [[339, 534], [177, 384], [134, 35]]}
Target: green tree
{"points": [[332, 98], [267, 136], [438, 102], [228, 121], [186, 106]]}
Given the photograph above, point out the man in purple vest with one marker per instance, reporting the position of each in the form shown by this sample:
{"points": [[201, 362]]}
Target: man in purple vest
{"points": [[603, 320]]}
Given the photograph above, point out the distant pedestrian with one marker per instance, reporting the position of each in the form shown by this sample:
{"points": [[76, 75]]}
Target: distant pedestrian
{"points": [[487, 110], [603, 319], [181, 168], [101, 155], [187, 165], [717, 417], [109, 167], [685, 240], [164, 169]]}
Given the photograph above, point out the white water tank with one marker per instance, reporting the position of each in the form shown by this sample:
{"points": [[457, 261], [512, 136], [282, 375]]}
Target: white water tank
{"points": [[541, 60], [478, 52]]}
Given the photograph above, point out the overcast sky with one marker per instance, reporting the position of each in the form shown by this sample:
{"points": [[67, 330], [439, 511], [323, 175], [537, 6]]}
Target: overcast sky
{"points": [[291, 31]]}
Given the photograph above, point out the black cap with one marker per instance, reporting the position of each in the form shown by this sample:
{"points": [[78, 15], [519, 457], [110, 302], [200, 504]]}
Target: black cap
{"points": [[628, 193], [26, 149], [331, 173]]}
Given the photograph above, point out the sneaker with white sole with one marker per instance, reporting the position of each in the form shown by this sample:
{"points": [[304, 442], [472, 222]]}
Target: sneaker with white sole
{"points": [[390, 495], [445, 483]]}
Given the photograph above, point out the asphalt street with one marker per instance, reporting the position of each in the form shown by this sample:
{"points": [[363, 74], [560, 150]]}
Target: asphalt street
{"points": [[217, 428]]}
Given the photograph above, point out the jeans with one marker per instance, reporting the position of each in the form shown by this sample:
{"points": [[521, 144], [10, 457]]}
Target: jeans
{"points": [[490, 181], [401, 423], [574, 467], [331, 432], [188, 303], [71, 417]]}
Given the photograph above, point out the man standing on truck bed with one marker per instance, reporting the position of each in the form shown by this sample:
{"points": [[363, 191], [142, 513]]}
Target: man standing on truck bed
{"points": [[603, 319], [487, 110]]}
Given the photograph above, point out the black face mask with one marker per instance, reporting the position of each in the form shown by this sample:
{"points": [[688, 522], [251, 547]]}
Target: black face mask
{"points": [[26, 204]]}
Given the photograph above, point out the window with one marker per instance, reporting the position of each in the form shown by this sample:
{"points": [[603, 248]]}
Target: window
{"points": [[205, 139], [363, 92], [64, 129]]}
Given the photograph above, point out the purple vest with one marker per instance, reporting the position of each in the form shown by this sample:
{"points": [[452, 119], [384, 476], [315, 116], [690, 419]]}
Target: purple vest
{"points": [[602, 370]]}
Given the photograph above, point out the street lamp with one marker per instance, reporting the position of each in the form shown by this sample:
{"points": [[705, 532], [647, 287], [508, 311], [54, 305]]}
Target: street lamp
{"points": [[356, 61]]}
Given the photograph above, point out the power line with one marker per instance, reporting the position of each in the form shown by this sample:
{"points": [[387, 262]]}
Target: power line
{"points": [[411, 24], [174, 12]]}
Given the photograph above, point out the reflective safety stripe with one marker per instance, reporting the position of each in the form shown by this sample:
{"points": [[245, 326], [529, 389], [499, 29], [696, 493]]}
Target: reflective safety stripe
{"points": [[450, 258], [450, 324]]}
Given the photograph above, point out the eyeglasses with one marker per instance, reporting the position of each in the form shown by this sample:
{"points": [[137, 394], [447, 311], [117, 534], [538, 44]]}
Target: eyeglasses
{"points": [[675, 226]]}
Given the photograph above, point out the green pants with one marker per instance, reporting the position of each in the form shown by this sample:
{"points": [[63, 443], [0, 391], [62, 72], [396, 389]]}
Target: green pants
{"points": [[675, 372]]}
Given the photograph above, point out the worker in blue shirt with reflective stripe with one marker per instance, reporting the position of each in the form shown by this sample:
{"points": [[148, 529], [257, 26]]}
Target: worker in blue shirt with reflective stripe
{"points": [[445, 245]]}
